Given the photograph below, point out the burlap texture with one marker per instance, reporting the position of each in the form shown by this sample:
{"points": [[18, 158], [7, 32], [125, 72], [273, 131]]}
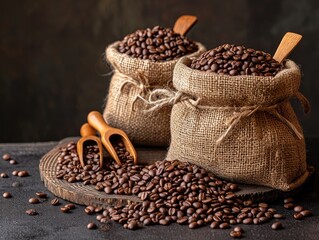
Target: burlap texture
{"points": [[131, 82], [261, 148]]}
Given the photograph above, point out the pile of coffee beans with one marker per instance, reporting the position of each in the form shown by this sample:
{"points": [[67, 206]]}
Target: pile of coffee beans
{"points": [[169, 191], [156, 44], [174, 191], [235, 60]]}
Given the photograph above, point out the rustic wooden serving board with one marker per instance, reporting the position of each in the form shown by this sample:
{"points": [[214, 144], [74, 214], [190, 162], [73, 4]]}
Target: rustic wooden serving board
{"points": [[88, 195]]}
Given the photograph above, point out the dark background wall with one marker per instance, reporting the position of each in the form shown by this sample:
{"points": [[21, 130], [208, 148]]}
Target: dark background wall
{"points": [[50, 52]]}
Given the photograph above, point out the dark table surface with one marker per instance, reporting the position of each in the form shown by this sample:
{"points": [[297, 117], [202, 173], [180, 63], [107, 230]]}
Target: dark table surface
{"points": [[51, 223]]}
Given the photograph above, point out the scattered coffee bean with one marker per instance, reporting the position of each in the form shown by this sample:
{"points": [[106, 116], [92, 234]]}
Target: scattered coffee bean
{"points": [[238, 229], [298, 208], [23, 173], [3, 175], [65, 209], [55, 202], [34, 200], [306, 213], [7, 195], [235, 234], [298, 216], [70, 206], [237, 60], [92, 225], [156, 44], [6, 156], [15, 173], [277, 226], [13, 162], [89, 210], [41, 194], [31, 212], [278, 216]]}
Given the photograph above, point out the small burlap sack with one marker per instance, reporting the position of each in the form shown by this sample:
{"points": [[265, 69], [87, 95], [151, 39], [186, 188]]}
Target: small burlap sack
{"points": [[242, 128], [131, 82]]}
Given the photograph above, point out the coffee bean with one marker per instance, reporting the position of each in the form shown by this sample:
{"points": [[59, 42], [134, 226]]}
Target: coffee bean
{"points": [[163, 222], [55, 202], [298, 208], [298, 216], [72, 180], [276, 226], [132, 225], [306, 213], [193, 225], [34, 200], [108, 190], [7, 195], [41, 194], [238, 229], [263, 205], [99, 217], [6, 156], [3, 175], [188, 177], [92, 225], [89, 210], [15, 173], [13, 162], [147, 222], [31, 212], [248, 221], [65, 209], [70, 206], [278, 216], [235, 234], [224, 225], [23, 173]]}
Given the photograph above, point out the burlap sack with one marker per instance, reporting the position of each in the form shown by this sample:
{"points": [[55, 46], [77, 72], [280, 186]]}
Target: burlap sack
{"points": [[242, 128], [132, 81]]}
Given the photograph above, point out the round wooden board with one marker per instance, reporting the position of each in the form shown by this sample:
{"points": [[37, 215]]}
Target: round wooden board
{"points": [[88, 195]]}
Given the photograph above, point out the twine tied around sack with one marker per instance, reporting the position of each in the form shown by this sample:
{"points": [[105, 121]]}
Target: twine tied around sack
{"points": [[141, 84], [162, 97]]}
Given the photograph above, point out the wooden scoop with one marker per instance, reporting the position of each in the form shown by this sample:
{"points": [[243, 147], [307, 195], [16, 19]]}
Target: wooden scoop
{"points": [[287, 44], [96, 120], [88, 134], [184, 23]]}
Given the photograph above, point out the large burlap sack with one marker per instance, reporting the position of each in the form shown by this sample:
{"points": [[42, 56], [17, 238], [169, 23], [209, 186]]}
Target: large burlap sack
{"points": [[242, 128], [131, 83]]}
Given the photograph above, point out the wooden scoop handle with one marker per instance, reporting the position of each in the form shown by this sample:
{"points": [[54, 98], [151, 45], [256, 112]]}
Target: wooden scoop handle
{"points": [[184, 23], [87, 130], [287, 44], [96, 120]]}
